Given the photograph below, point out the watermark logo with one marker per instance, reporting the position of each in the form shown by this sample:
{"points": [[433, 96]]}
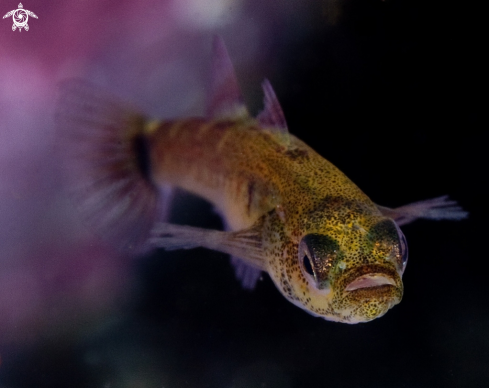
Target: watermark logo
{"points": [[20, 17]]}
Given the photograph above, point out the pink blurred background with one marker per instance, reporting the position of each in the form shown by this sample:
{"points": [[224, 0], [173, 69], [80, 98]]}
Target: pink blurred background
{"points": [[395, 87], [55, 276]]}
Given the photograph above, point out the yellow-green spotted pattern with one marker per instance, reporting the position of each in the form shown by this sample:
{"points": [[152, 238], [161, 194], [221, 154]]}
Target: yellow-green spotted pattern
{"points": [[255, 175]]}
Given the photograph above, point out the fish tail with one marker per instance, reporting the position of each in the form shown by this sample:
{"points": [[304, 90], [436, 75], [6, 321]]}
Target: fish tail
{"points": [[106, 157]]}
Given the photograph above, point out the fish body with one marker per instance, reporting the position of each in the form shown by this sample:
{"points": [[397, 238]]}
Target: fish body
{"points": [[249, 172], [289, 212]]}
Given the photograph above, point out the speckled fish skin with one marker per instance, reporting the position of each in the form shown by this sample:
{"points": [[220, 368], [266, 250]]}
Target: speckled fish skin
{"points": [[251, 174], [328, 248]]}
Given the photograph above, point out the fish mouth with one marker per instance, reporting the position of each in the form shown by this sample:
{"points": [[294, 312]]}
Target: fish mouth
{"points": [[370, 281], [368, 292]]}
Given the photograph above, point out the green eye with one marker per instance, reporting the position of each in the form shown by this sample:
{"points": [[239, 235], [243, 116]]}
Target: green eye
{"points": [[316, 255], [388, 232]]}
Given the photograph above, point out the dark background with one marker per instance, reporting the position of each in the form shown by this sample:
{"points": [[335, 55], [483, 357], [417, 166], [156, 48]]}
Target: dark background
{"points": [[389, 91]]}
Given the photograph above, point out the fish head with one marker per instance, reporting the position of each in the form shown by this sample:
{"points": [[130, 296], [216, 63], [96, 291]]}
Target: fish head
{"points": [[345, 265]]}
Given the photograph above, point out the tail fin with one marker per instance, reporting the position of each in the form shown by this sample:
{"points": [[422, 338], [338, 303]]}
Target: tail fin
{"points": [[107, 161]]}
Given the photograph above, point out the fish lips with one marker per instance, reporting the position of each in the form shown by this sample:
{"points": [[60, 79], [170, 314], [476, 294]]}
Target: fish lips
{"points": [[373, 281], [370, 280]]}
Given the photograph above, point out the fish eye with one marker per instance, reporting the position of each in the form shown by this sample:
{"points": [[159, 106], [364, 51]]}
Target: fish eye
{"points": [[403, 249], [307, 265], [316, 255], [388, 232]]}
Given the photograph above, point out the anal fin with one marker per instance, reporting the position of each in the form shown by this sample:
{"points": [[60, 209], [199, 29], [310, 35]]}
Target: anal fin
{"points": [[247, 275]]}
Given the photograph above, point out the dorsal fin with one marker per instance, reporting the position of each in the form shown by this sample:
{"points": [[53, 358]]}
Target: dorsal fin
{"points": [[272, 115], [224, 99]]}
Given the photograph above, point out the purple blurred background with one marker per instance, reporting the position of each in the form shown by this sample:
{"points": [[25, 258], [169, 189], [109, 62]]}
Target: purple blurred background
{"points": [[393, 84], [155, 53]]}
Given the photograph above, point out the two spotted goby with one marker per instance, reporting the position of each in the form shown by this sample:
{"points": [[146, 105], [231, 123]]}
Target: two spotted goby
{"points": [[289, 212]]}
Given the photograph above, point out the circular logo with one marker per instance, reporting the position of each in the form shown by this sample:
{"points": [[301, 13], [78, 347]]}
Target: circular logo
{"points": [[20, 18]]}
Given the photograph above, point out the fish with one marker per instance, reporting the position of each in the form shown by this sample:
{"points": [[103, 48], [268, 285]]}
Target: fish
{"points": [[287, 211]]}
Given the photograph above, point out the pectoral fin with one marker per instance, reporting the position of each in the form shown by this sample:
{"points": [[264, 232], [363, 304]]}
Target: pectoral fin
{"points": [[245, 244], [440, 208]]}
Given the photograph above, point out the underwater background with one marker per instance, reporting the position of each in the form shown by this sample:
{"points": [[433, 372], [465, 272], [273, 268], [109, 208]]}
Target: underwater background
{"points": [[389, 91]]}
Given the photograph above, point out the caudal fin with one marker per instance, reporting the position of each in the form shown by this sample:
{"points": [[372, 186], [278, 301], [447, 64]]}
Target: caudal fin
{"points": [[105, 153]]}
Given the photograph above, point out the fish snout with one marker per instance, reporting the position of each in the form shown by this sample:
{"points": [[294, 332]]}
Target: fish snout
{"points": [[370, 291], [378, 288]]}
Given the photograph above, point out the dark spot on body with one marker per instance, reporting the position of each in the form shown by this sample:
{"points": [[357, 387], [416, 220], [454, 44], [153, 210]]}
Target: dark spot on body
{"points": [[141, 152], [296, 154]]}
